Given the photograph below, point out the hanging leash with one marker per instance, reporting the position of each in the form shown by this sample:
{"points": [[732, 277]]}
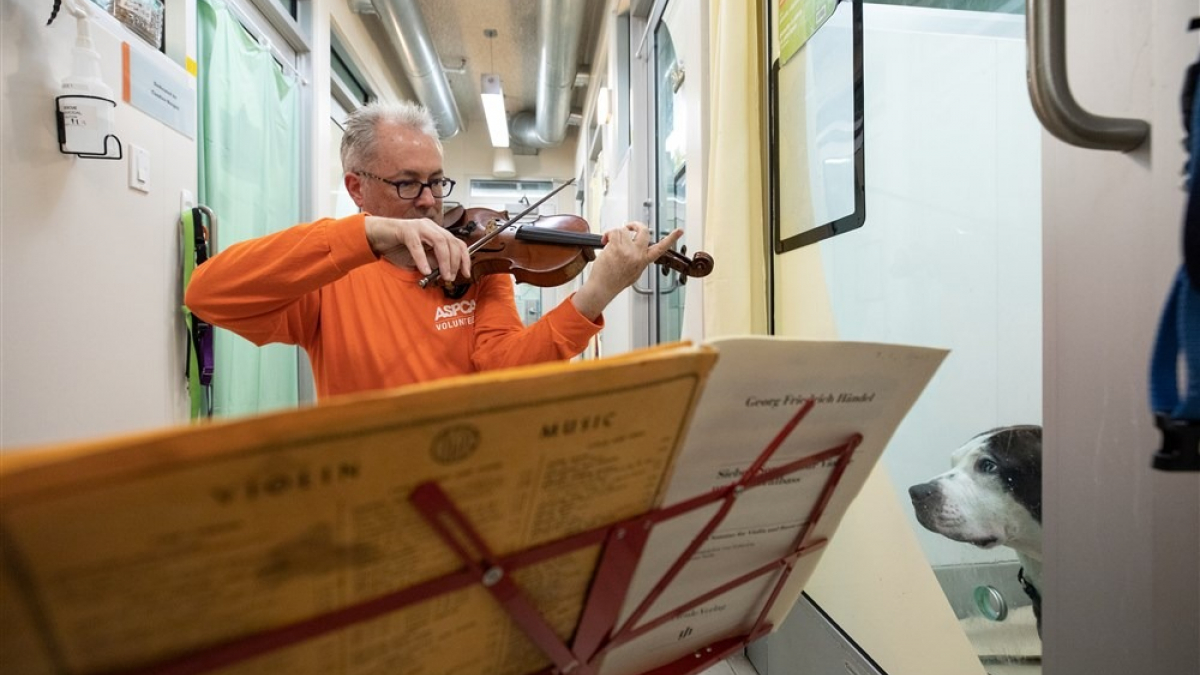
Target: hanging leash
{"points": [[1176, 416], [199, 362]]}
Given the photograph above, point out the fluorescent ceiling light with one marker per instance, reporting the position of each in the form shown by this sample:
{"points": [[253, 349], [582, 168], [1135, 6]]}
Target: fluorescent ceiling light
{"points": [[493, 110]]}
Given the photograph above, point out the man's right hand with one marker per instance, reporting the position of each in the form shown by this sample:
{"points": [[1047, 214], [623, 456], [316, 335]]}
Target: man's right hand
{"points": [[407, 243]]}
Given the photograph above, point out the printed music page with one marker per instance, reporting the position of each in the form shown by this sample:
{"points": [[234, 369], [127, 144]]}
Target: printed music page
{"points": [[124, 553], [757, 385]]}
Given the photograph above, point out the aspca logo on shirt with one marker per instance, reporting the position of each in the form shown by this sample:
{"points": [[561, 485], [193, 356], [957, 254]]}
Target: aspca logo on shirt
{"points": [[455, 309], [455, 314]]}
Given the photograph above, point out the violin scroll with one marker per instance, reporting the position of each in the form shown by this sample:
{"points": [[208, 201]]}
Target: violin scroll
{"points": [[699, 265]]}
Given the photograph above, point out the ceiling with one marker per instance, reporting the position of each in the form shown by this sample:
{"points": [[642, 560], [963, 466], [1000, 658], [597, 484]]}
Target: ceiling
{"points": [[457, 27]]}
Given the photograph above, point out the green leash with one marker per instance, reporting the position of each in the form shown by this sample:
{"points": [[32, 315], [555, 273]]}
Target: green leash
{"points": [[199, 368]]}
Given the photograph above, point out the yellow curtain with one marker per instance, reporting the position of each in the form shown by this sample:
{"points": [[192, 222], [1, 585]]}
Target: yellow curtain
{"points": [[735, 296]]}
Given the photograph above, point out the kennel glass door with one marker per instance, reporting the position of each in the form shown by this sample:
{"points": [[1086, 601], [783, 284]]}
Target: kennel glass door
{"points": [[669, 162], [952, 258]]}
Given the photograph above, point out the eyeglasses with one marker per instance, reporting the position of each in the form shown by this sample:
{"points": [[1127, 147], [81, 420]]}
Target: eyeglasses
{"points": [[411, 189]]}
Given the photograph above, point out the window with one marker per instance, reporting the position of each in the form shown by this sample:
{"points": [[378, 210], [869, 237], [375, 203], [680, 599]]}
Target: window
{"points": [[347, 83], [509, 191], [288, 6], [621, 105], [515, 196], [348, 91]]}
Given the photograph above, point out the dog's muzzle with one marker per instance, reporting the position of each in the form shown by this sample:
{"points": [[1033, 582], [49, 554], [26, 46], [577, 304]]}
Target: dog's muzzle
{"points": [[926, 500]]}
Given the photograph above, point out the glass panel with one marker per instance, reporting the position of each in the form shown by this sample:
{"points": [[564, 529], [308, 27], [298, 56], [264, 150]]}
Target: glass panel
{"points": [[529, 303], [1008, 6], [504, 191], [289, 6], [670, 166], [816, 148], [348, 77], [954, 260], [515, 196], [621, 93]]}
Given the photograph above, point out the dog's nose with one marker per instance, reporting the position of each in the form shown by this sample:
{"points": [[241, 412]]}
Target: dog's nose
{"points": [[920, 491]]}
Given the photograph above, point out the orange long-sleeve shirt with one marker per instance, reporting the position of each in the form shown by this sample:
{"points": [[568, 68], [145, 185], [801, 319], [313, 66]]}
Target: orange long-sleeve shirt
{"points": [[364, 322]]}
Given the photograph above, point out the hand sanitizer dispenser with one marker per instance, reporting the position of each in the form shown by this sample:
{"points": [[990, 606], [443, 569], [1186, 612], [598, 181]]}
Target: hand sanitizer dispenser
{"points": [[86, 106]]}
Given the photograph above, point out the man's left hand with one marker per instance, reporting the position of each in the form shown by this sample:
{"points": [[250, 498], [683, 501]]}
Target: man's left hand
{"points": [[626, 254]]}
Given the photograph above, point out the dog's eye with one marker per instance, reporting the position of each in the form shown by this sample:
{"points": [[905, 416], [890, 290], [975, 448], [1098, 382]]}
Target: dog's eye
{"points": [[985, 465]]}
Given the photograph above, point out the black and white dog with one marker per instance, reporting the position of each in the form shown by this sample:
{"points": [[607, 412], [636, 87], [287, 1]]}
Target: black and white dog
{"points": [[992, 496]]}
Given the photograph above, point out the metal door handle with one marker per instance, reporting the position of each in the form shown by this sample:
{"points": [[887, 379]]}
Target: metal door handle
{"points": [[1060, 113], [674, 285], [212, 228], [647, 212]]}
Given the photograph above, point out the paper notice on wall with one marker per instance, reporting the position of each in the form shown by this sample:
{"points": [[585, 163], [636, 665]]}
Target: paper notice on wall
{"points": [[159, 88], [755, 389]]}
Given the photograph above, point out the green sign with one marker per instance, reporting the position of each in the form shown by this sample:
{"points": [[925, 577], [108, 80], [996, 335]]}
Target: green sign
{"points": [[798, 20]]}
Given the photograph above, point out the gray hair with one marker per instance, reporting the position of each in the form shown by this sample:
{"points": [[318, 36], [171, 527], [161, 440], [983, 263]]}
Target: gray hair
{"points": [[359, 141]]}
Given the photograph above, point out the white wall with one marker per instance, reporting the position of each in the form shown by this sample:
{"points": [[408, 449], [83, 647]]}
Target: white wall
{"points": [[950, 255], [620, 169], [91, 336], [1122, 541], [618, 335]]}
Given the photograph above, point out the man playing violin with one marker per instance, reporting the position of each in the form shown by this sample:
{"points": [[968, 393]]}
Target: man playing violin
{"points": [[347, 290]]}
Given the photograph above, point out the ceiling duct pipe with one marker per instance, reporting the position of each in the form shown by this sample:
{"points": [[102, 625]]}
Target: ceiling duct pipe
{"points": [[405, 28], [559, 26]]}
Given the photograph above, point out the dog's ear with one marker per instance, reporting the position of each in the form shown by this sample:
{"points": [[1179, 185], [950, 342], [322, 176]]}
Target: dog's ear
{"points": [[1018, 451]]}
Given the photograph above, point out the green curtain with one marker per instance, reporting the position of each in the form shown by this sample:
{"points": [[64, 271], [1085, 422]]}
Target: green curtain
{"points": [[249, 176]]}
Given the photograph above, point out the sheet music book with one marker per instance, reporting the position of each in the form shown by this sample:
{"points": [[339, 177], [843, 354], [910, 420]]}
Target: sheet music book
{"points": [[756, 385], [124, 553]]}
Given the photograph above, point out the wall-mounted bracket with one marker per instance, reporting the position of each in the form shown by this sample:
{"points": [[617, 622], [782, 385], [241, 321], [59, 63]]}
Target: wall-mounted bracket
{"points": [[61, 122]]}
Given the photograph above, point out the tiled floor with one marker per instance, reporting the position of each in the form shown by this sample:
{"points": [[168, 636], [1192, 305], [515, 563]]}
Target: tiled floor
{"points": [[737, 664], [1009, 647], [1014, 669]]}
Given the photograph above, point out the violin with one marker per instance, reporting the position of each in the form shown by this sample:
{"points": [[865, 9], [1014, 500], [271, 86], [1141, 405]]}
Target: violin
{"points": [[550, 251]]}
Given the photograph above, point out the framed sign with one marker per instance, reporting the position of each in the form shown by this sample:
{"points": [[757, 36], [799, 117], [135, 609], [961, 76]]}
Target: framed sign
{"points": [[798, 20], [817, 174]]}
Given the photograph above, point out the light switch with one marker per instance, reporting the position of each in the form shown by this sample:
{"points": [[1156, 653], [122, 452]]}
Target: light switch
{"points": [[139, 168]]}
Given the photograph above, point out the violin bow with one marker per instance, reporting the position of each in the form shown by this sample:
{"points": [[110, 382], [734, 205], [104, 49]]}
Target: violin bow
{"points": [[432, 276]]}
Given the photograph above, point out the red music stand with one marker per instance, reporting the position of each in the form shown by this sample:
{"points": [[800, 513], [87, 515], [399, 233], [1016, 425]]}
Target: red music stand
{"points": [[597, 632]]}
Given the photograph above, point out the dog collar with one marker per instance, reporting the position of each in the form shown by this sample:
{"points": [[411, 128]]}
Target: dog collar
{"points": [[1029, 588]]}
